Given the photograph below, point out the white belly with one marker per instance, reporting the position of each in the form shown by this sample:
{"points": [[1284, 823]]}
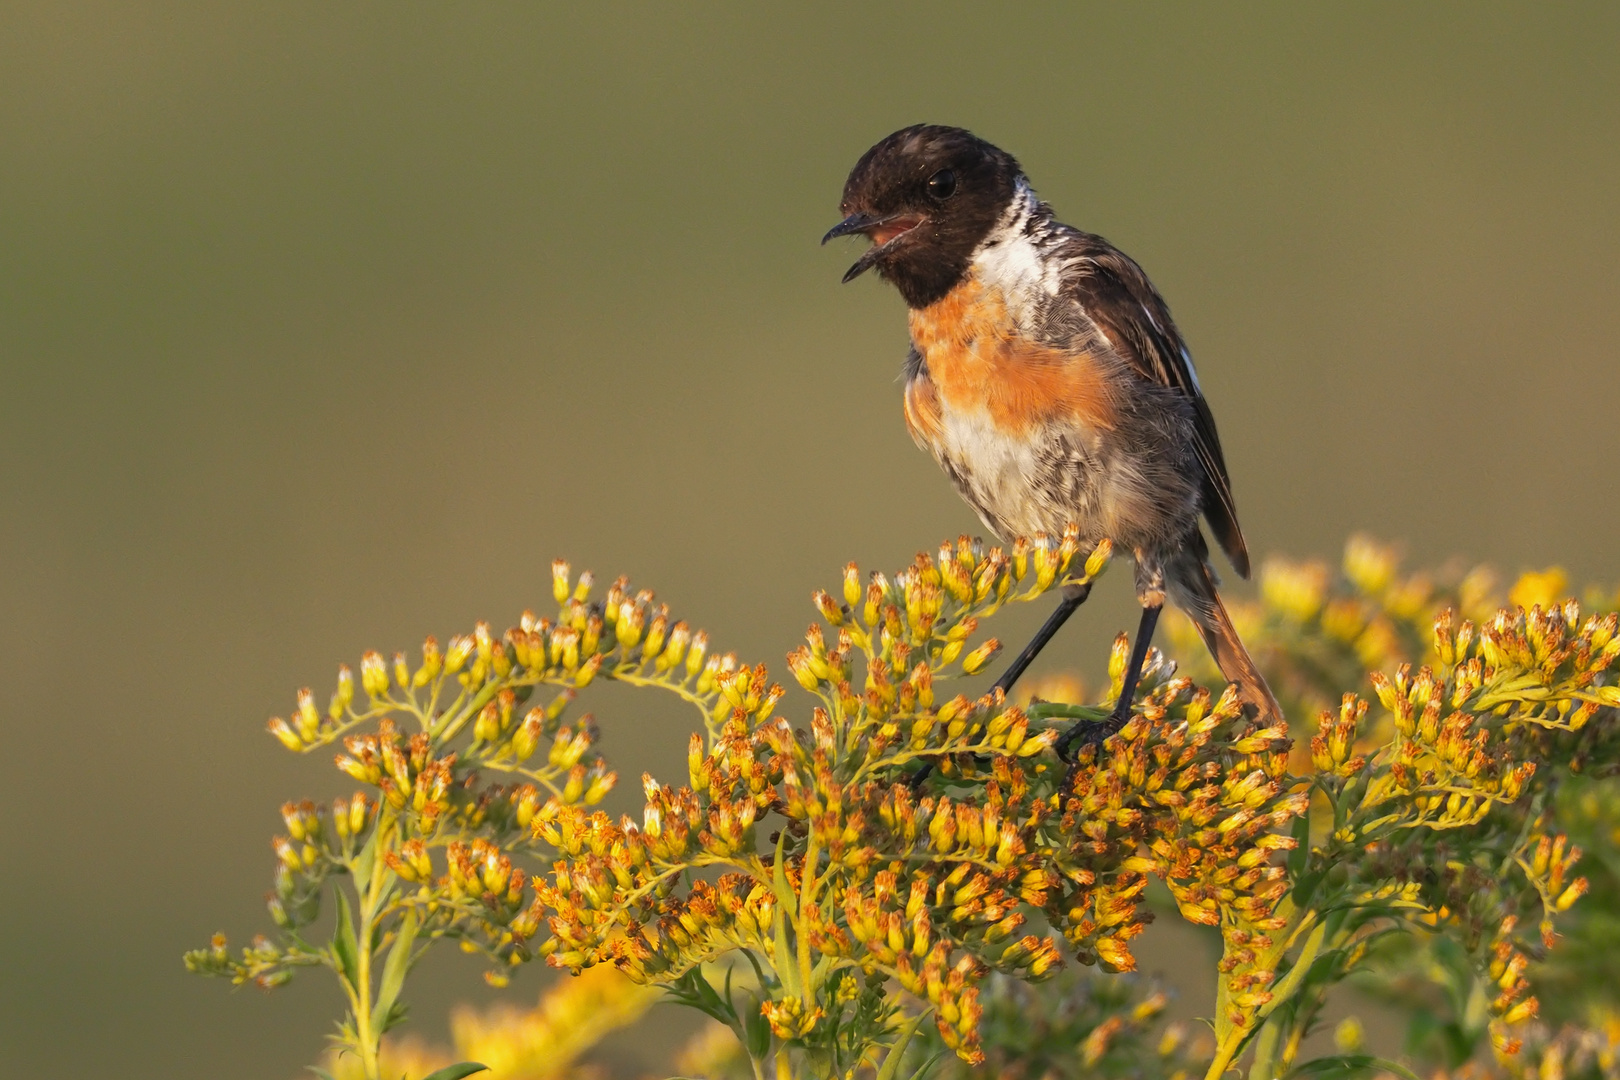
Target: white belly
{"points": [[1021, 485]]}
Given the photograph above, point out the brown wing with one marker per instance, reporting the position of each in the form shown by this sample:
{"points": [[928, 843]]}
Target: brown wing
{"points": [[1118, 296]]}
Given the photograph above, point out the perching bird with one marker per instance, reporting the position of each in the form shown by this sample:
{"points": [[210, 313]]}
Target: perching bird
{"points": [[1050, 383]]}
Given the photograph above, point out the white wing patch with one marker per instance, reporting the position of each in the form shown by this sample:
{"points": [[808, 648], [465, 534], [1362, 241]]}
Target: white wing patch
{"points": [[1192, 372]]}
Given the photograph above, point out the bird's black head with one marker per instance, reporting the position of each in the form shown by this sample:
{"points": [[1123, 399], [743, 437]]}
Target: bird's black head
{"points": [[926, 196]]}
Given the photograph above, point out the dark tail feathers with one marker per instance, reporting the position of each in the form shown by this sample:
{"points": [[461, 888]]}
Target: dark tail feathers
{"points": [[1215, 627]]}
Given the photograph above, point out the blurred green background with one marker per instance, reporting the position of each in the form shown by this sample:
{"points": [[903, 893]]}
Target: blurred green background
{"points": [[324, 327]]}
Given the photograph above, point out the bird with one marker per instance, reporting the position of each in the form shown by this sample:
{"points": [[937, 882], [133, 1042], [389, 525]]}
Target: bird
{"points": [[1049, 381]]}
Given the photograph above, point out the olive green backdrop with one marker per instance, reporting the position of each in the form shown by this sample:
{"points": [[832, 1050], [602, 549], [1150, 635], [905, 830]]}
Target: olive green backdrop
{"points": [[324, 327]]}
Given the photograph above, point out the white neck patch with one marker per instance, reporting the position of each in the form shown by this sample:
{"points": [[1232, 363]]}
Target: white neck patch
{"points": [[1010, 259]]}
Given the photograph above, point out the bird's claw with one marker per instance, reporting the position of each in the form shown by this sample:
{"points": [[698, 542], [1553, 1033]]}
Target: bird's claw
{"points": [[1081, 735]]}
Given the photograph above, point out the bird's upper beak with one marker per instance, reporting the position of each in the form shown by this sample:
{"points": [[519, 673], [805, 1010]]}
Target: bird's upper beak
{"points": [[883, 231], [855, 223]]}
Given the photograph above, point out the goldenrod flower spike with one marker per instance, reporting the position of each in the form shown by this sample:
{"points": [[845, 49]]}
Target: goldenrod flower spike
{"points": [[902, 838]]}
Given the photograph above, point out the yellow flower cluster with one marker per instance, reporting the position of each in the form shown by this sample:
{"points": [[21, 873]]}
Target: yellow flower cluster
{"points": [[1173, 796], [901, 838], [459, 772], [1444, 825], [870, 877]]}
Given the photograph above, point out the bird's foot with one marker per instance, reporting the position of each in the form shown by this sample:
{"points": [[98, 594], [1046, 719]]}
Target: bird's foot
{"points": [[1082, 734], [1085, 733]]}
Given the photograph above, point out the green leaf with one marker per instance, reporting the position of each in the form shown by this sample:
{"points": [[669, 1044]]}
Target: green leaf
{"points": [[365, 861], [457, 1071], [926, 1067], [380, 903], [764, 980], [785, 902], [1351, 1065], [779, 883], [731, 1002], [398, 964], [756, 1033], [897, 1050], [701, 995], [1296, 975], [343, 942], [393, 1017], [1305, 888], [1265, 1051], [322, 1073], [694, 991], [1302, 846]]}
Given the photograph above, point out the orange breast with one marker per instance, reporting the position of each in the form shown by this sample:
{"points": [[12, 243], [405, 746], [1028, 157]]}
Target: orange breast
{"points": [[978, 361]]}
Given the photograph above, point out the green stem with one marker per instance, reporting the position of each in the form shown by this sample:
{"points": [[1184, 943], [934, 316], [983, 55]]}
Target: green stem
{"points": [[457, 719], [703, 703], [1232, 1045], [368, 1028], [806, 897], [364, 1029], [1224, 1053]]}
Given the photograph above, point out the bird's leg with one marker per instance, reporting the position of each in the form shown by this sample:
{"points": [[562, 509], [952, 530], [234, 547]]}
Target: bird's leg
{"points": [[1073, 597], [1097, 732]]}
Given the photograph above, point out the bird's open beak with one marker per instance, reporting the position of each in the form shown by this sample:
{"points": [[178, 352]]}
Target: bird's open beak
{"points": [[883, 231]]}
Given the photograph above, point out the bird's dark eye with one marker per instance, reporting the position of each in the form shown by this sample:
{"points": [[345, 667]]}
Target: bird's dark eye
{"points": [[942, 185]]}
